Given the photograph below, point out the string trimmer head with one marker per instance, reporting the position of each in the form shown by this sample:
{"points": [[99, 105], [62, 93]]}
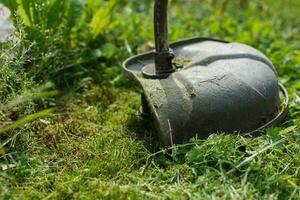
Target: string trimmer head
{"points": [[202, 86]]}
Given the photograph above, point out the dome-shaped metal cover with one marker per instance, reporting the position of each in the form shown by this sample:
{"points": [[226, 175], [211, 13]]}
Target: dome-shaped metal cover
{"points": [[217, 87], [211, 86]]}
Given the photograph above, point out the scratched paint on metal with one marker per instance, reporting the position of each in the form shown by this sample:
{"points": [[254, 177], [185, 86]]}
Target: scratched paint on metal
{"points": [[221, 87]]}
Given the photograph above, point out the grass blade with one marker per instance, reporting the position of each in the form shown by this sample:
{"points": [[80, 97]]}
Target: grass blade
{"points": [[25, 120]]}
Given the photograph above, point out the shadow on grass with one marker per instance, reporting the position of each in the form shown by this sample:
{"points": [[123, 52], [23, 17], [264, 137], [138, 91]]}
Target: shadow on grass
{"points": [[144, 131]]}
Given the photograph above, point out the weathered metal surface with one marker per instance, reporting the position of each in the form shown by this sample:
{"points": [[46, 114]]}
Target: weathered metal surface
{"points": [[218, 87]]}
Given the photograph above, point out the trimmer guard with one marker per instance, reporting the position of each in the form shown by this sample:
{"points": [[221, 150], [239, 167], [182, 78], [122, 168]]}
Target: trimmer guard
{"points": [[217, 87]]}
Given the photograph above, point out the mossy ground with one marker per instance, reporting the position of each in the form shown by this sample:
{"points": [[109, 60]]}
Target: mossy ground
{"points": [[95, 146]]}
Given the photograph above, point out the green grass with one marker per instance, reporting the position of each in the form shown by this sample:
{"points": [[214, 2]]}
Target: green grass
{"points": [[94, 146]]}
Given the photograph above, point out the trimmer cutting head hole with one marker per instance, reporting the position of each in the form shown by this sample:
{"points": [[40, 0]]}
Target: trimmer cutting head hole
{"points": [[202, 86]]}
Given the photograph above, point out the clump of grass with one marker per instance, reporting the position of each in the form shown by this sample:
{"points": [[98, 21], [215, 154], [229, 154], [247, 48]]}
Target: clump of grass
{"points": [[16, 88], [66, 40]]}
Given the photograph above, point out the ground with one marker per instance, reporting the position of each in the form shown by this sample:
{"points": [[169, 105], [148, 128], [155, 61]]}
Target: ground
{"points": [[91, 144]]}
